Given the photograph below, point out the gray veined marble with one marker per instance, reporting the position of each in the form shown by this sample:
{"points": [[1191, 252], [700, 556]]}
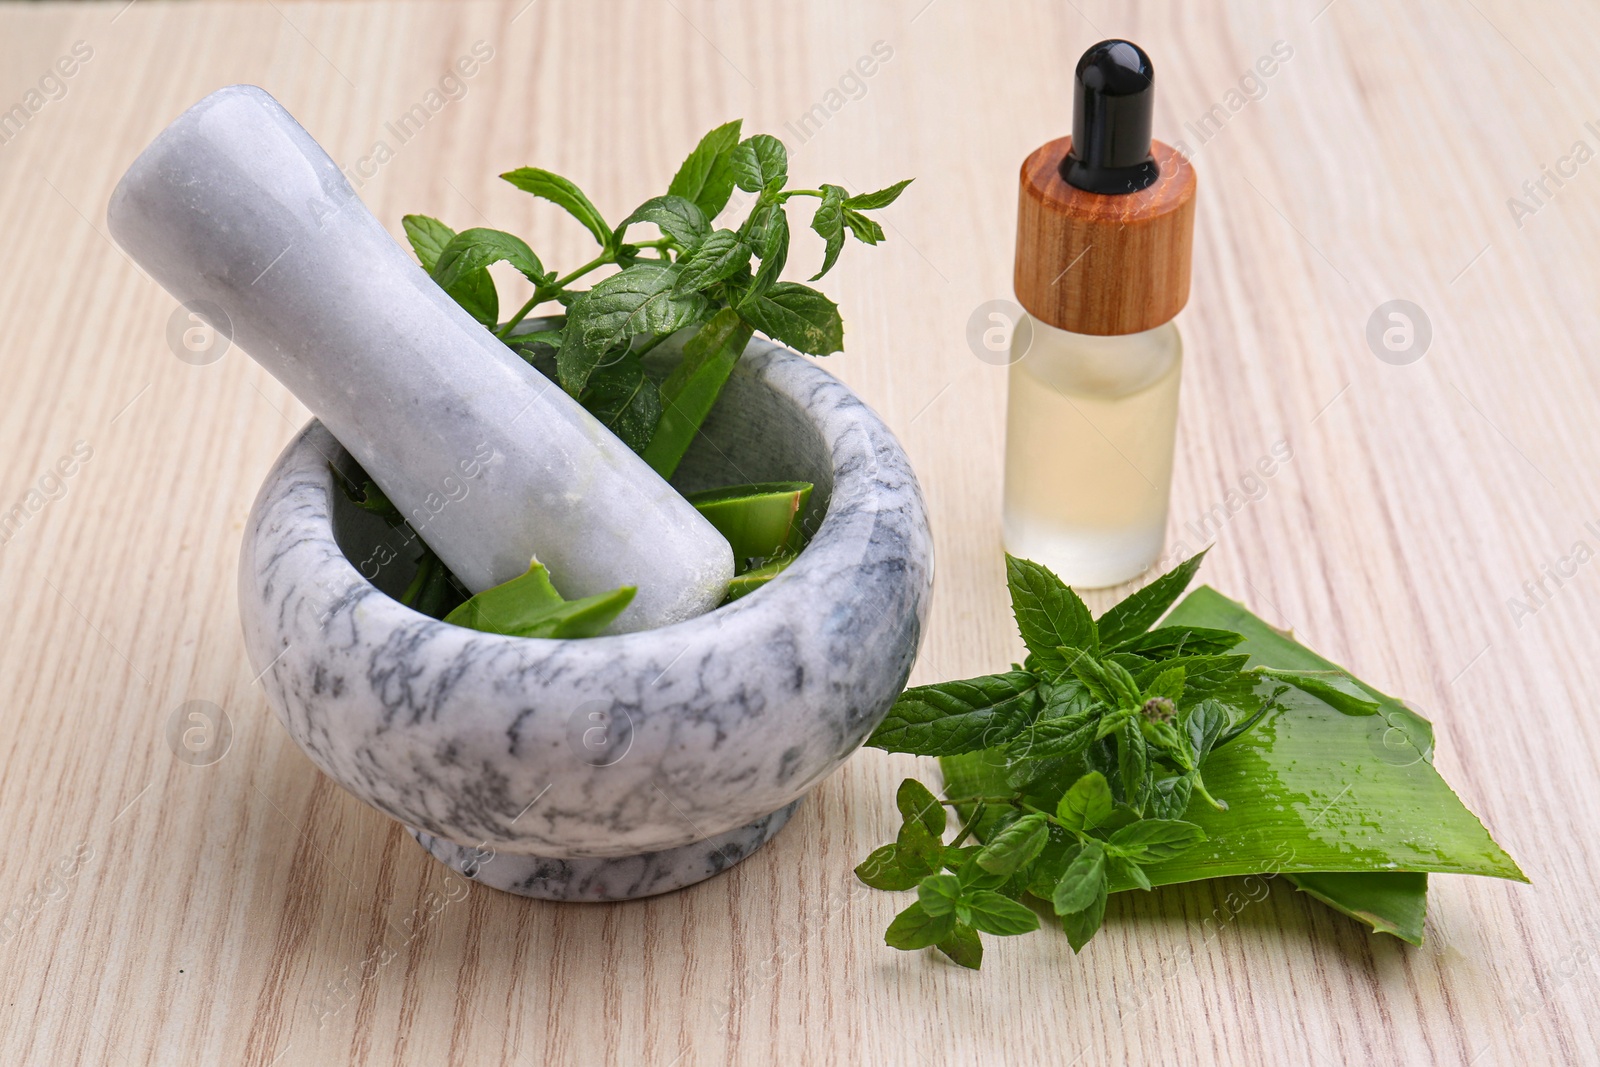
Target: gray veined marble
{"points": [[617, 766], [242, 216]]}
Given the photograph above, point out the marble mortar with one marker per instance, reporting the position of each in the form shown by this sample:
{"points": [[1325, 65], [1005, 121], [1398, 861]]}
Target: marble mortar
{"points": [[619, 766]]}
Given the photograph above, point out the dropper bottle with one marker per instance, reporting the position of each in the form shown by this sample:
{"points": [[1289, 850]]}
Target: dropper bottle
{"points": [[1104, 233]]}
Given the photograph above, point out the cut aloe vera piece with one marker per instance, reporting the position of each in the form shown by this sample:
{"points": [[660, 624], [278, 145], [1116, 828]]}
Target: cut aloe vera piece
{"points": [[761, 520], [1347, 807], [529, 606], [692, 388], [751, 580]]}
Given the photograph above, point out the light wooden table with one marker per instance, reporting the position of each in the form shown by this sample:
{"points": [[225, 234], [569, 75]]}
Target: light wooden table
{"points": [[221, 913]]}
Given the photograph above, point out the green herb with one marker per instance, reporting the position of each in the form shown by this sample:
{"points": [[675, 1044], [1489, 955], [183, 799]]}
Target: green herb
{"points": [[1077, 773], [761, 521], [753, 579], [529, 606], [722, 283], [433, 590]]}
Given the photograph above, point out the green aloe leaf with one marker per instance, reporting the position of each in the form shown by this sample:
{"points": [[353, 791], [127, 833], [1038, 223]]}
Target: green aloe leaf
{"points": [[692, 388], [529, 606], [760, 520], [1390, 903], [1325, 798], [751, 580]]}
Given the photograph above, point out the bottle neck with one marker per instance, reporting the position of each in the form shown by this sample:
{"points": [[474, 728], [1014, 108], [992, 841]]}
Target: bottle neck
{"points": [[1098, 365]]}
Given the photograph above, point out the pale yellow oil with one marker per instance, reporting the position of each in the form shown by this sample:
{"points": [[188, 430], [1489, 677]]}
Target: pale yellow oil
{"points": [[1090, 428]]}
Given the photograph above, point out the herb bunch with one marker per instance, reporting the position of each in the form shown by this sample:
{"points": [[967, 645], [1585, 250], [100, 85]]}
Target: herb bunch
{"points": [[1103, 733], [723, 281]]}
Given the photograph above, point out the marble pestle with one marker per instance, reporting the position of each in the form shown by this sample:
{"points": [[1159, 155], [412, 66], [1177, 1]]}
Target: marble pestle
{"points": [[242, 217]]}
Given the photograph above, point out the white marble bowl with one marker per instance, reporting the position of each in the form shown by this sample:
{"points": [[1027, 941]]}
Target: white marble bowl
{"points": [[619, 766]]}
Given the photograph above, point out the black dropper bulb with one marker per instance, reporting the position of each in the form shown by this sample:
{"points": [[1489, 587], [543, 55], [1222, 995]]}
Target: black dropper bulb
{"points": [[1113, 98]]}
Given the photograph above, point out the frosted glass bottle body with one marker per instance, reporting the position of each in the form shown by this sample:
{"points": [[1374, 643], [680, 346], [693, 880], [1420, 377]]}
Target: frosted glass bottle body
{"points": [[1090, 427]]}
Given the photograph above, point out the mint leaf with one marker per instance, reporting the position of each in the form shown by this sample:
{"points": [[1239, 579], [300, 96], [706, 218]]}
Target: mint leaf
{"points": [[477, 296], [938, 893], [881, 198], [1133, 763], [1087, 804], [1137, 612], [1081, 926], [829, 224], [1127, 870], [1167, 685], [883, 870], [565, 195], [721, 255], [914, 928], [1222, 677], [1334, 688], [1206, 722], [866, 230], [798, 316], [1154, 840], [1048, 613], [634, 301], [677, 217], [995, 913], [1109, 682], [971, 875], [918, 850], [963, 946], [428, 236], [706, 177], [917, 804], [474, 291], [626, 399], [767, 230], [1164, 642], [1055, 738], [1170, 797], [472, 250], [1016, 846], [758, 162], [1082, 881], [950, 718]]}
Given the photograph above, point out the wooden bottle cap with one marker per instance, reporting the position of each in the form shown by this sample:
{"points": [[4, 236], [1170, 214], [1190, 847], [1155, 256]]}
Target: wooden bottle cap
{"points": [[1104, 264]]}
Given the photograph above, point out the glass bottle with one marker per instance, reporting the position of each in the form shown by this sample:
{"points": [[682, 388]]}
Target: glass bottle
{"points": [[1105, 228], [1090, 427]]}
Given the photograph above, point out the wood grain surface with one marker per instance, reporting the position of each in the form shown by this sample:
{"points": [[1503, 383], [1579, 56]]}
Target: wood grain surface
{"points": [[1426, 531]]}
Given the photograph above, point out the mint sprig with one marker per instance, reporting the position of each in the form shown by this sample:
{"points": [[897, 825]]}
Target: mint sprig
{"points": [[724, 283], [1103, 733]]}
